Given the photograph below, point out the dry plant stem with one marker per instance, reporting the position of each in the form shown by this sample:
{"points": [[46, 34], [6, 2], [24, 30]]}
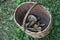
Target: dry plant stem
{"points": [[27, 15]]}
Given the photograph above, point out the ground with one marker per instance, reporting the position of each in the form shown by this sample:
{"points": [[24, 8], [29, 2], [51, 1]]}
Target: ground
{"points": [[10, 31]]}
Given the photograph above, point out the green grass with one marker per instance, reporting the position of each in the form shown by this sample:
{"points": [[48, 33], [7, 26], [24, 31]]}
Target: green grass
{"points": [[10, 31]]}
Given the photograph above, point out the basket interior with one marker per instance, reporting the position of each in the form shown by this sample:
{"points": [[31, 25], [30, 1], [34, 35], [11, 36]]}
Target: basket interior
{"points": [[38, 10]]}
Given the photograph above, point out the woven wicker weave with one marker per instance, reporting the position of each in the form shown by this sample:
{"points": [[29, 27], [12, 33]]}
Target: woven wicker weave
{"points": [[22, 11]]}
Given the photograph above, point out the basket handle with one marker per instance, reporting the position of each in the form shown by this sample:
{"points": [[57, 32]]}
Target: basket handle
{"points": [[27, 15]]}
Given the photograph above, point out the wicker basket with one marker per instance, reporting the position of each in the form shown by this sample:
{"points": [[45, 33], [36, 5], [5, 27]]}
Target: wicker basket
{"points": [[40, 11]]}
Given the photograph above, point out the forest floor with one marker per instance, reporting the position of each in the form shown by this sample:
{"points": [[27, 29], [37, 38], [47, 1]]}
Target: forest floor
{"points": [[10, 31]]}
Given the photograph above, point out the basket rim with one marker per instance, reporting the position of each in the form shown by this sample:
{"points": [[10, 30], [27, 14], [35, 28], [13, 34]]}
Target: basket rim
{"points": [[27, 30]]}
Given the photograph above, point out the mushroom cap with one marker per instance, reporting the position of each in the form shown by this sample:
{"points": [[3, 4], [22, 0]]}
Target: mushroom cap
{"points": [[32, 18]]}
